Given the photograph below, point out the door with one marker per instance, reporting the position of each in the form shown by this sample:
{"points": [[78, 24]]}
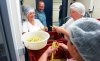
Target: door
{"points": [[4, 55], [7, 50]]}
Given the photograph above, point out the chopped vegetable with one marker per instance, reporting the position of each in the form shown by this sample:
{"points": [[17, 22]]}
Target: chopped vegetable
{"points": [[54, 45], [57, 60], [34, 39]]}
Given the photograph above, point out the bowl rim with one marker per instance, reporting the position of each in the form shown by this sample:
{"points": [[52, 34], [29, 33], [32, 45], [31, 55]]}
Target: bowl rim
{"points": [[38, 41]]}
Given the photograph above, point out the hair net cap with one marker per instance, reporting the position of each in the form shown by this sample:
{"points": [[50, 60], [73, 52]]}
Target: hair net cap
{"points": [[86, 38], [28, 9], [79, 7]]}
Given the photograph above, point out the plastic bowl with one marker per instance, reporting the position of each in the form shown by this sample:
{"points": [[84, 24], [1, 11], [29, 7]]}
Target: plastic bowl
{"points": [[35, 45]]}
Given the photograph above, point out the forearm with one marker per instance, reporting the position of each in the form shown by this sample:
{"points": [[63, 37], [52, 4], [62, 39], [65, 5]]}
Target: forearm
{"points": [[63, 31], [46, 53], [43, 57], [63, 46], [66, 33]]}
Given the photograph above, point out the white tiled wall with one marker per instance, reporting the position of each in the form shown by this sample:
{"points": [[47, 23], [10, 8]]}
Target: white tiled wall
{"points": [[29, 2], [56, 4], [96, 7]]}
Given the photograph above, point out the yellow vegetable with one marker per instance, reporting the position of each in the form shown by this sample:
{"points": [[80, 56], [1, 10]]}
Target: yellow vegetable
{"points": [[54, 45], [34, 39], [58, 60]]}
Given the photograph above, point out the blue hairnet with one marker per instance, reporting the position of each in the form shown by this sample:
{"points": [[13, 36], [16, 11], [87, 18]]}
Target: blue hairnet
{"points": [[28, 9], [86, 38]]}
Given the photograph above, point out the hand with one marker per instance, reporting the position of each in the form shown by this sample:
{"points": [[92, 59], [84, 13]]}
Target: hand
{"points": [[46, 54], [63, 46], [50, 50], [63, 31], [60, 30], [54, 28], [46, 28]]}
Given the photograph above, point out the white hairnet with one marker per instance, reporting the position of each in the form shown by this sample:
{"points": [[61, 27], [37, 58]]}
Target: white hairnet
{"points": [[79, 7], [86, 38], [28, 9]]}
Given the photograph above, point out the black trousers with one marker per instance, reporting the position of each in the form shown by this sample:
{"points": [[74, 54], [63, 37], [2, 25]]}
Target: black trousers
{"points": [[26, 55]]}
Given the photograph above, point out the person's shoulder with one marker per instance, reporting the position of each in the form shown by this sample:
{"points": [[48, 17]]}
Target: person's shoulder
{"points": [[92, 20], [70, 20], [87, 21], [36, 20]]}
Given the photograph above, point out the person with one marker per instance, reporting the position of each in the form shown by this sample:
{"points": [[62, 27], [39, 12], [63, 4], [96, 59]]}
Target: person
{"points": [[60, 16], [77, 11], [40, 14], [86, 30], [84, 41], [31, 24]]}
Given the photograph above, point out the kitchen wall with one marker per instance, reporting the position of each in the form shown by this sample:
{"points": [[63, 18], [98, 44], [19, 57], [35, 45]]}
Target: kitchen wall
{"points": [[56, 4], [96, 4], [96, 13], [29, 2]]}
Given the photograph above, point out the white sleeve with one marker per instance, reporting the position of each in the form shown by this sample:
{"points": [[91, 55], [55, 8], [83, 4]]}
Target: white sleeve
{"points": [[63, 26], [25, 27], [67, 23]]}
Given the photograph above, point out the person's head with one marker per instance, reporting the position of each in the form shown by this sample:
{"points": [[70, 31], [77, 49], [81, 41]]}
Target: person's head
{"points": [[41, 6], [29, 12], [77, 10], [85, 40], [60, 7]]}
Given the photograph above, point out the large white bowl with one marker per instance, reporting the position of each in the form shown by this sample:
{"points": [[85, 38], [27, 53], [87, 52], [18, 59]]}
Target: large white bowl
{"points": [[35, 45]]}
